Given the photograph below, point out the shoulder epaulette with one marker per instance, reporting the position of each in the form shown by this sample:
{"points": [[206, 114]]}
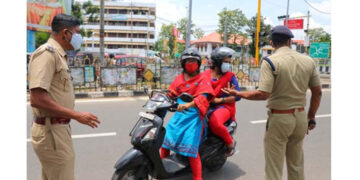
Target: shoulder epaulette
{"points": [[50, 48]]}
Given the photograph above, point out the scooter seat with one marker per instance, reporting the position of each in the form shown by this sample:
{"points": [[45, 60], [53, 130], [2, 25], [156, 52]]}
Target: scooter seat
{"points": [[172, 164]]}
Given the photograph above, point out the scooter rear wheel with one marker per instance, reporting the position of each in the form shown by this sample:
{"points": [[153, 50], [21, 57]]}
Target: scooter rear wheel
{"points": [[128, 174]]}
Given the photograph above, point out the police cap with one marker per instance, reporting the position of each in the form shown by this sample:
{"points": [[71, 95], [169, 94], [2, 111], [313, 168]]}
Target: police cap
{"points": [[282, 30]]}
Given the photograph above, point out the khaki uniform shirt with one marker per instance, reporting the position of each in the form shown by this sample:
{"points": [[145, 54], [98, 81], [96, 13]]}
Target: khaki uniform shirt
{"points": [[48, 69], [294, 73]]}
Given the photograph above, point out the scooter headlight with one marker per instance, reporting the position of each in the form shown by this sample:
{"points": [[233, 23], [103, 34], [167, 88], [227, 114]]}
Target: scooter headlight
{"points": [[150, 134]]}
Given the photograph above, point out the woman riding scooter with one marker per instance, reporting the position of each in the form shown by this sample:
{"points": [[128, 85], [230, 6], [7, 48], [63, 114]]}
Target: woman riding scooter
{"points": [[223, 106], [187, 127]]}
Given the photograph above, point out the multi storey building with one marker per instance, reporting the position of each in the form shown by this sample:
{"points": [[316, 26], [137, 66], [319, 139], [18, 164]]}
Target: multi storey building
{"points": [[129, 28]]}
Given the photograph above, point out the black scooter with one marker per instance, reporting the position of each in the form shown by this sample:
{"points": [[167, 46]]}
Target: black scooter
{"points": [[143, 160]]}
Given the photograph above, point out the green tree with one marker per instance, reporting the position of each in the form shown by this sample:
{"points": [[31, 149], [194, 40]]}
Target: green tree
{"points": [[319, 35], [198, 33], [182, 26], [235, 21], [252, 24], [41, 38], [76, 11], [92, 11], [166, 37]]}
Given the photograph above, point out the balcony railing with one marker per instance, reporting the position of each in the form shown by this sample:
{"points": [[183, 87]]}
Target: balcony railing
{"points": [[117, 3], [118, 39], [128, 51], [116, 27]]}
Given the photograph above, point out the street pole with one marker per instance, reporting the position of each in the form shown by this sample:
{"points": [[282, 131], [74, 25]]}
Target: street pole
{"points": [[287, 14], [188, 31], [92, 43], [257, 34], [307, 31], [225, 33], [102, 32]]}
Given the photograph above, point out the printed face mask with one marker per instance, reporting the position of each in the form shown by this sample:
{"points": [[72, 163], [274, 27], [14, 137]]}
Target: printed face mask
{"points": [[191, 67]]}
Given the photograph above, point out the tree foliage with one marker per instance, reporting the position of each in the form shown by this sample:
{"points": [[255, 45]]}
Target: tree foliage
{"points": [[41, 38], [198, 33], [252, 24], [76, 11], [319, 35], [235, 21], [166, 41], [182, 26], [92, 11]]}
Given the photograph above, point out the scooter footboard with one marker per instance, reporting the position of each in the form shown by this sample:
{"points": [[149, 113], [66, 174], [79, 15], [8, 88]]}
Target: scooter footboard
{"points": [[131, 158]]}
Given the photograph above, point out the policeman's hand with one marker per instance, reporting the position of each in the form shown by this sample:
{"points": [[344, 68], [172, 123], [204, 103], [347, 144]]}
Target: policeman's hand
{"points": [[182, 107], [230, 90], [311, 124], [88, 119]]}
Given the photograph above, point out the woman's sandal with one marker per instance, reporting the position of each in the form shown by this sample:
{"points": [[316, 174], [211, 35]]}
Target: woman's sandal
{"points": [[230, 150]]}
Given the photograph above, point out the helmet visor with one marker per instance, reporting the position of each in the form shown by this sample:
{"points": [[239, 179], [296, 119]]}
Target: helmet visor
{"points": [[190, 57]]}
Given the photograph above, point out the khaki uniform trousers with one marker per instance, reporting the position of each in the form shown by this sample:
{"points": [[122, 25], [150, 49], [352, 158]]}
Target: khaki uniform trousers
{"points": [[53, 146], [284, 138]]}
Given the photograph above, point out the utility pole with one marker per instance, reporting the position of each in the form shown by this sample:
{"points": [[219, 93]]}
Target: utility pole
{"points": [[307, 32], [287, 14], [225, 33], [257, 34], [102, 32], [188, 31]]}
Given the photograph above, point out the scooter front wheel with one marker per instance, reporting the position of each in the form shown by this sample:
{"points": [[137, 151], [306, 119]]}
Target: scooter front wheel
{"points": [[129, 174]]}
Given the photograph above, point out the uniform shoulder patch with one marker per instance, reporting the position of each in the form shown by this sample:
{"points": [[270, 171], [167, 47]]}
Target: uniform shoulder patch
{"points": [[50, 48]]}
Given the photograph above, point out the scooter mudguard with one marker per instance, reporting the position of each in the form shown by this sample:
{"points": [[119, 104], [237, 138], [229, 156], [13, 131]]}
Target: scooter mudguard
{"points": [[131, 158]]}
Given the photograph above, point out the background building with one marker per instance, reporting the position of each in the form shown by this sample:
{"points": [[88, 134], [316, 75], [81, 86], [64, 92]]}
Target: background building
{"points": [[129, 28], [206, 44]]}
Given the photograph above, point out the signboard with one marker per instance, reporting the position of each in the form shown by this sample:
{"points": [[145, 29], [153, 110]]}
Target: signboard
{"points": [[295, 23], [175, 32], [77, 75], [119, 17], [254, 74], [148, 75], [30, 41], [89, 74], [319, 50], [40, 13], [168, 74], [117, 76], [307, 41], [240, 74]]}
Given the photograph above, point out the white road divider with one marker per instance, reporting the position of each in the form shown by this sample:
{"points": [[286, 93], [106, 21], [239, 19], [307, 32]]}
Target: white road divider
{"points": [[264, 121], [80, 136]]}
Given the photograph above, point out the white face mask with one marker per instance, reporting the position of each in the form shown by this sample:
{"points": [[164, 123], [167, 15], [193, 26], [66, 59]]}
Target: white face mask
{"points": [[76, 41], [225, 67]]}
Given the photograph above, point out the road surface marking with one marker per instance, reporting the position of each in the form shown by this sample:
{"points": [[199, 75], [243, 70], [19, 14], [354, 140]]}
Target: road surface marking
{"points": [[264, 121], [80, 136]]}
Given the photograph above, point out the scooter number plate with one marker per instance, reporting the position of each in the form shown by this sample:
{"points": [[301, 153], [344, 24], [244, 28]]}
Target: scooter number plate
{"points": [[146, 115]]}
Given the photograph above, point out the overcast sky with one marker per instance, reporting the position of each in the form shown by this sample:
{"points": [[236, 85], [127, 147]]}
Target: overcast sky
{"points": [[204, 12]]}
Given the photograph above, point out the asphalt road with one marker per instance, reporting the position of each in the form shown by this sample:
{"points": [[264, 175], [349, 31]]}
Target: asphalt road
{"points": [[98, 149]]}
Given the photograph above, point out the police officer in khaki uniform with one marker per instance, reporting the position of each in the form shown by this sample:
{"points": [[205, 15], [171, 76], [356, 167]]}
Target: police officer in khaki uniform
{"points": [[52, 99], [284, 79]]}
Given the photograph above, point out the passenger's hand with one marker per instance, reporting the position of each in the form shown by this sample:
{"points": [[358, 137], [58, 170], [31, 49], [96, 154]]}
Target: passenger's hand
{"points": [[182, 107], [217, 100], [87, 119]]}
